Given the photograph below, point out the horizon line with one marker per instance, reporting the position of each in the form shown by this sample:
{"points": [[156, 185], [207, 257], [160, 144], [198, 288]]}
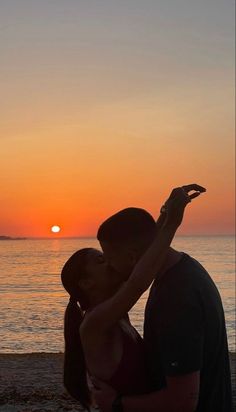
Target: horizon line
{"points": [[94, 237]]}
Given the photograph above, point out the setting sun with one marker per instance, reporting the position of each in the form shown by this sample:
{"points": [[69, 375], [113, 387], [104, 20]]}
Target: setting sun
{"points": [[55, 229]]}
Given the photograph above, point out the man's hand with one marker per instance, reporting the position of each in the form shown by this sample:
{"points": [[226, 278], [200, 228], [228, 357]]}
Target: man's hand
{"points": [[104, 395]]}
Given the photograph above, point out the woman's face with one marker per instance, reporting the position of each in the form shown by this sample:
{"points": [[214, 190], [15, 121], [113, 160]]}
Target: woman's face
{"points": [[100, 275], [96, 266]]}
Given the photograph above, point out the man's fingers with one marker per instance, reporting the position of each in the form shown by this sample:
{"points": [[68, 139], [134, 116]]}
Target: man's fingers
{"points": [[194, 186], [96, 392], [96, 383]]}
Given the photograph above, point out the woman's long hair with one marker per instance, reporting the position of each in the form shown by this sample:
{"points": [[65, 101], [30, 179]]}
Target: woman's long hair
{"points": [[75, 371]]}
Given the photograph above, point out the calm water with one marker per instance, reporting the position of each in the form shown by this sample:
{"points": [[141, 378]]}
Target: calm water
{"points": [[33, 300]]}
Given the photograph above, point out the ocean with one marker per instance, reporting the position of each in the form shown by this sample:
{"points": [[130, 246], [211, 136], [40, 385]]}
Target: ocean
{"points": [[33, 300]]}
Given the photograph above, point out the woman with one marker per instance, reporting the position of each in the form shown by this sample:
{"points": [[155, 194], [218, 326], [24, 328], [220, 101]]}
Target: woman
{"points": [[106, 345]]}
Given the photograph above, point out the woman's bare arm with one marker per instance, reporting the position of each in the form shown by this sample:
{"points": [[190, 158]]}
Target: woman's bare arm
{"points": [[112, 310]]}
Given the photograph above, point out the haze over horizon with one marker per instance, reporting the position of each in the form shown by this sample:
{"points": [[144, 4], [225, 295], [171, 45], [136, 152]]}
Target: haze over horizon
{"points": [[107, 105]]}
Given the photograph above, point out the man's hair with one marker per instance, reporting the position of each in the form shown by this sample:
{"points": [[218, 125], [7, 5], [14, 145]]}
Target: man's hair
{"points": [[127, 225]]}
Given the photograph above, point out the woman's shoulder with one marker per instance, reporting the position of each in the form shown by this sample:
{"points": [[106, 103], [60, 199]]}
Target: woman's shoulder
{"points": [[87, 327], [91, 332], [100, 348]]}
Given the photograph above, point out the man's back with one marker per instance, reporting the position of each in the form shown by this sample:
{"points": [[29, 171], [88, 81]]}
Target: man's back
{"points": [[185, 331]]}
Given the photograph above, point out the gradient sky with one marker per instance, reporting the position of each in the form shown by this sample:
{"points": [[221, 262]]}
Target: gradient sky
{"points": [[109, 104]]}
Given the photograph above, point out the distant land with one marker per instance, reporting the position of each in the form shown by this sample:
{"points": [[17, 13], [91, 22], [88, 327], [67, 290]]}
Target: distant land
{"points": [[12, 238]]}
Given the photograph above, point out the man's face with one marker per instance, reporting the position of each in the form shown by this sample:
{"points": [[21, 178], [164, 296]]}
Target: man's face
{"points": [[121, 259]]}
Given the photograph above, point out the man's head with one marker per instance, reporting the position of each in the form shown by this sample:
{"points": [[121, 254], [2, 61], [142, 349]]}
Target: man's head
{"points": [[125, 236]]}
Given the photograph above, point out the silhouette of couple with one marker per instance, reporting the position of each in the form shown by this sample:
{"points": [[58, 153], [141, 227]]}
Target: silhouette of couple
{"points": [[182, 362]]}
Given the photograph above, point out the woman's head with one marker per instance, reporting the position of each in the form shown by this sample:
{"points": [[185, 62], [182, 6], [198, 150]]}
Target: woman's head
{"points": [[87, 278]]}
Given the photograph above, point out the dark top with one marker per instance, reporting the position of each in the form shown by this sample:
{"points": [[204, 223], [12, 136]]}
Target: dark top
{"points": [[132, 376], [184, 331]]}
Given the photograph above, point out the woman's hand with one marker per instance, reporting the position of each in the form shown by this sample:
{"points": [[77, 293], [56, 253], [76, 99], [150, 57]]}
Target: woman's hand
{"points": [[174, 207]]}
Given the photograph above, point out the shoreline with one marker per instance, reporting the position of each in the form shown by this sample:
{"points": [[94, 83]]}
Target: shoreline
{"points": [[32, 382]]}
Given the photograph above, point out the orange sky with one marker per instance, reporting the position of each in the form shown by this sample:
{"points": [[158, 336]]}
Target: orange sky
{"points": [[97, 116]]}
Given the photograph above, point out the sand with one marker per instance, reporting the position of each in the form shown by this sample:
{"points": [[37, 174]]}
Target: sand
{"points": [[33, 383]]}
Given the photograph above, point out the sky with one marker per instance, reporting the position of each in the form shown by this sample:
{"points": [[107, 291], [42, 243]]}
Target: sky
{"points": [[108, 104]]}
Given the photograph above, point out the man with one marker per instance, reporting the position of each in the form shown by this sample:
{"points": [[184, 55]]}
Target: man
{"points": [[184, 326]]}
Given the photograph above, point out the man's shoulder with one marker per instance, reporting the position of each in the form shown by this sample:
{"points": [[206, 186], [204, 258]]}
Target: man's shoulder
{"points": [[194, 275], [189, 265], [186, 271], [185, 280]]}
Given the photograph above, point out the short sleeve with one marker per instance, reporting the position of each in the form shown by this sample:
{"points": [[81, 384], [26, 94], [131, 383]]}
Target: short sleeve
{"points": [[181, 339]]}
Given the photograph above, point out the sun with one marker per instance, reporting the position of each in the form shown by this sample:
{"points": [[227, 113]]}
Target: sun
{"points": [[55, 229]]}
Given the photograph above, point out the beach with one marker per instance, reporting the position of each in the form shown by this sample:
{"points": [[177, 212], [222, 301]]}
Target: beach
{"points": [[33, 383]]}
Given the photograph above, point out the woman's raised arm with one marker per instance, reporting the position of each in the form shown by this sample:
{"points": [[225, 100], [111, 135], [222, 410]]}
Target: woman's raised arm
{"points": [[112, 310]]}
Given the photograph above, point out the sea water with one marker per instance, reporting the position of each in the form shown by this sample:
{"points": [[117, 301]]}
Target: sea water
{"points": [[32, 299]]}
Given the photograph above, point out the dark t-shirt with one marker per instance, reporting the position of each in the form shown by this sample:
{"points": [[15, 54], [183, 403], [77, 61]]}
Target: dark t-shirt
{"points": [[184, 331]]}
